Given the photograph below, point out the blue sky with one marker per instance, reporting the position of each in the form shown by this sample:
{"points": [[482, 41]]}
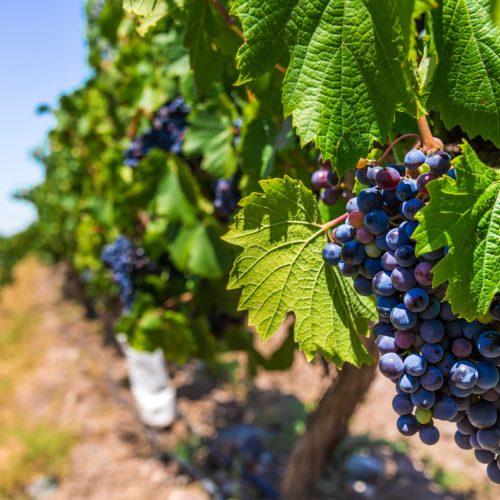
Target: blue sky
{"points": [[42, 54]]}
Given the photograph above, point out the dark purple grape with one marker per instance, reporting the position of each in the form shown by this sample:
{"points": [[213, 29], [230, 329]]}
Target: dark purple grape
{"points": [[413, 159], [331, 254], [387, 178], [391, 365], [423, 180], [403, 278], [416, 299], [439, 162]]}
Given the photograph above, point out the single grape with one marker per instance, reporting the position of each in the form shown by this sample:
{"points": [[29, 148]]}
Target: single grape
{"points": [[391, 365], [488, 376], [433, 353], [484, 456], [422, 398], [445, 408], [423, 180], [353, 253], [370, 267], [461, 348], [402, 318], [372, 250], [347, 270], [396, 238], [472, 330], [423, 415], [403, 278], [423, 273], [482, 414], [376, 221], [331, 254], [329, 196], [407, 425], [404, 338], [428, 434], [464, 374], [385, 305], [413, 159], [364, 236], [439, 162], [382, 284], [462, 441], [362, 176], [415, 365], [386, 344], [369, 199], [411, 207], [432, 379], [402, 404], [352, 205], [344, 233], [407, 189], [409, 228], [405, 256], [416, 299], [319, 179], [434, 255], [387, 178], [432, 330], [388, 261], [356, 218], [489, 439], [363, 285], [488, 344], [409, 383]]}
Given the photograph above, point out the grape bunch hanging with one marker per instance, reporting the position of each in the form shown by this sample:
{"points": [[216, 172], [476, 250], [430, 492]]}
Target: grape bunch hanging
{"points": [[444, 367], [166, 133]]}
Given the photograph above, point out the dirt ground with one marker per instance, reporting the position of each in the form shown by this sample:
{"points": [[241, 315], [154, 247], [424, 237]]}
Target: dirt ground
{"points": [[56, 375]]}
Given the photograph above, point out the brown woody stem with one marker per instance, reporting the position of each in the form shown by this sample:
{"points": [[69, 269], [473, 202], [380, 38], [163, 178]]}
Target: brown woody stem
{"points": [[429, 142]]}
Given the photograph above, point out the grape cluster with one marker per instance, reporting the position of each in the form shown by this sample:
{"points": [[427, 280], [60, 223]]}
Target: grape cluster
{"points": [[119, 256], [166, 133], [444, 367], [226, 198]]}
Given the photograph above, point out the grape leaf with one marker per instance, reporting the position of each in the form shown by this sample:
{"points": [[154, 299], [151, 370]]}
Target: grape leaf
{"points": [[210, 134], [199, 249], [464, 215], [348, 69], [466, 84], [281, 270], [148, 12]]}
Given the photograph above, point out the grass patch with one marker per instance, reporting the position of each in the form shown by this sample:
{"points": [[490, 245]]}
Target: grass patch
{"points": [[28, 452]]}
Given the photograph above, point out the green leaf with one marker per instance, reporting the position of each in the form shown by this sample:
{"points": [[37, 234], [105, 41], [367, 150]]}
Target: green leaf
{"points": [[210, 134], [281, 270], [348, 68], [178, 196], [466, 85], [464, 215], [149, 12], [201, 28], [199, 250]]}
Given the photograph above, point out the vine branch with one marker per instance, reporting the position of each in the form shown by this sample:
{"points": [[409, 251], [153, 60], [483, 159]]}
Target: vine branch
{"points": [[334, 222], [429, 142], [394, 142]]}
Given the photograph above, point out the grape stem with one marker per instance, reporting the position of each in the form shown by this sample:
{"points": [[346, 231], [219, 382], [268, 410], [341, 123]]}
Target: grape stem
{"points": [[393, 143], [334, 222], [429, 142]]}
